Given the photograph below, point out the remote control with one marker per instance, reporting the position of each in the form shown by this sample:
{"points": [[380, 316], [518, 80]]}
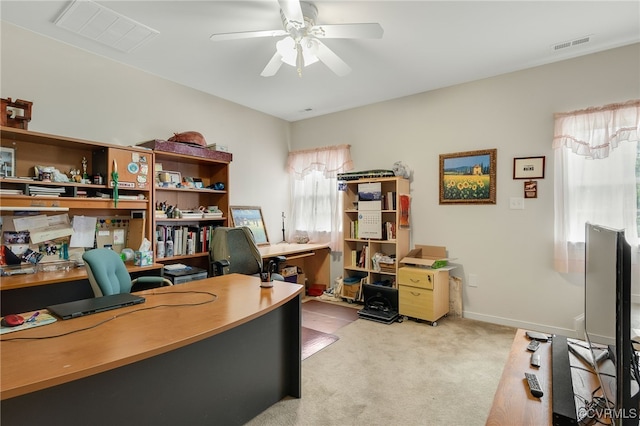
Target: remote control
{"points": [[533, 345], [535, 360], [534, 335], [534, 385]]}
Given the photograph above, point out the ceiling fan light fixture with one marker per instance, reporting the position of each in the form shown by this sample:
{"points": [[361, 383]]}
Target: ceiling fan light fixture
{"points": [[302, 45], [288, 49]]}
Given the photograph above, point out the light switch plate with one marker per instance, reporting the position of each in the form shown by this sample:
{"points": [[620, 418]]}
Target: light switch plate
{"points": [[516, 203]]}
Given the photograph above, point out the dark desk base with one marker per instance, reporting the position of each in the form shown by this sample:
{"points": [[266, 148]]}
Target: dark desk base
{"points": [[227, 379], [18, 300]]}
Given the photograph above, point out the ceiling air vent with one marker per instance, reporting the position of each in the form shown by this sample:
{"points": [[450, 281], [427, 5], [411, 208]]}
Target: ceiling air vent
{"points": [[105, 26], [571, 43]]}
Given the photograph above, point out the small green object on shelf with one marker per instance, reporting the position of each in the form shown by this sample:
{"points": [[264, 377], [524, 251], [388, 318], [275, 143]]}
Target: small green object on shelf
{"points": [[439, 264]]}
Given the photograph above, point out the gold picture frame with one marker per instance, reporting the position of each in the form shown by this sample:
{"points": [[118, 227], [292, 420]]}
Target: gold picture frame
{"points": [[468, 177], [251, 217]]}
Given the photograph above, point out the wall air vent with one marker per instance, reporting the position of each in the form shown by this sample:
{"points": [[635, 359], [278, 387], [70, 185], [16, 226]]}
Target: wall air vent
{"points": [[105, 26], [571, 43]]}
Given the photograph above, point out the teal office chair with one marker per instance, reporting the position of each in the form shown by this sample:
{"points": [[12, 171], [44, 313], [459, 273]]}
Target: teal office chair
{"points": [[108, 275], [234, 250]]}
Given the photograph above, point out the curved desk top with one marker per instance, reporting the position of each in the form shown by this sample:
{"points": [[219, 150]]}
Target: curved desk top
{"points": [[136, 332]]}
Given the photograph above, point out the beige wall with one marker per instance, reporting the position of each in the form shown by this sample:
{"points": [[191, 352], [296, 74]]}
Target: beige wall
{"points": [[510, 251], [81, 95]]}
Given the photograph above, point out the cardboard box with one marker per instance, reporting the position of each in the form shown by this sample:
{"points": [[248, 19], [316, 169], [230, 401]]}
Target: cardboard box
{"points": [[143, 258], [289, 271], [427, 256], [350, 290]]}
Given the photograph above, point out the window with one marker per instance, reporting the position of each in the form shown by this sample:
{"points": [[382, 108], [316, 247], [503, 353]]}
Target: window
{"points": [[316, 205], [597, 177]]}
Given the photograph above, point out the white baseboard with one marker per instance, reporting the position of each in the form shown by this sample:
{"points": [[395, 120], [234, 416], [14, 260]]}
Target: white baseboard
{"points": [[521, 324]]}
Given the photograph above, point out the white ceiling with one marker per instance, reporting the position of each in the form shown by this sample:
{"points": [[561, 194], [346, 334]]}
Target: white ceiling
{"points": [[426, 45]]}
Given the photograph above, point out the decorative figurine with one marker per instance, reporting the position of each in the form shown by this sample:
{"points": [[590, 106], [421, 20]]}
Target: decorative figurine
{"points": [[84, 168]]}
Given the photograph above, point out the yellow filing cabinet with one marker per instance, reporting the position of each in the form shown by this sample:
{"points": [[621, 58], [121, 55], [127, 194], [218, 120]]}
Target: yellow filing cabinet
{"points": [[423, 293]]}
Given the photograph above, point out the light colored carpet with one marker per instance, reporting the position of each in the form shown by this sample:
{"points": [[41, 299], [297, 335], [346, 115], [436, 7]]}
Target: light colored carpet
{"points": [[400, 374]]}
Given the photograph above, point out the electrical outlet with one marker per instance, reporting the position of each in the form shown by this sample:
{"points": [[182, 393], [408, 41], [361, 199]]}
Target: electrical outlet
{"points": [[473, 280], [516, 203]]}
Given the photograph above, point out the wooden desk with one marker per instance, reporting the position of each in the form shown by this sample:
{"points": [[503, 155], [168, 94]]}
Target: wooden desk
{"points": [[222, 362], [313, 259], [513, 403], [28, 292]]}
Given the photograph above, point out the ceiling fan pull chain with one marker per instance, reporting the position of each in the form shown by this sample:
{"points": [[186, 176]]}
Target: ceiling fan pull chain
{"points": [[299, 59]]}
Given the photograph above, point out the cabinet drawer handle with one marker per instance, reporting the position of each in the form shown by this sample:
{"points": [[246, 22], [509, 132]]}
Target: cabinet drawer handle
{"points": [[414, 280], [415, 294]]}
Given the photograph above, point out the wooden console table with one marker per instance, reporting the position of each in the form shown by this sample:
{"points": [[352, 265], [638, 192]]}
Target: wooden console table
{"points": [[513, 404], [222, 362]]}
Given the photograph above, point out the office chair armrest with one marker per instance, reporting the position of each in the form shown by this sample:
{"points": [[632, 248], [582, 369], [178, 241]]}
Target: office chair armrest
{"points": [[218, 266], [147, 282]]}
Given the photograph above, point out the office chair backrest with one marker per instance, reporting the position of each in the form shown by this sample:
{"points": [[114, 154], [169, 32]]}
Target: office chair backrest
{"points": [[238, 246], [107, 273]]}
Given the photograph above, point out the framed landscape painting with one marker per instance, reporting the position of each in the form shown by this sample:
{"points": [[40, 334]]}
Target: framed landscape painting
{"points": [[250, 216], [468, 177]]}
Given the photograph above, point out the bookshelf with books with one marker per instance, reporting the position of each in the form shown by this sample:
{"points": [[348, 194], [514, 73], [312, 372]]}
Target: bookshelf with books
{"points": [[191, 196], [376, 229]]}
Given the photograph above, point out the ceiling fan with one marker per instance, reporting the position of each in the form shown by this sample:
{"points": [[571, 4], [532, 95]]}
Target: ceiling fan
{"points": [[301, 45]]}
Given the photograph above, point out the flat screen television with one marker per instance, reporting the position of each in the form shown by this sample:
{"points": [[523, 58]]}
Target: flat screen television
{"points": [[608, 317]]}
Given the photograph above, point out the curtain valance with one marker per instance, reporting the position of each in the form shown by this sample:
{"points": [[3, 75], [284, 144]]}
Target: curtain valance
{"points": [[594, 132], [329, 160]]}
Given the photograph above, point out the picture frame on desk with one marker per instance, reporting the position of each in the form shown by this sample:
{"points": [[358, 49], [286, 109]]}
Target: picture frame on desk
{"points": [[7, 162], [169, 178], [251, 217], [468, 177]]}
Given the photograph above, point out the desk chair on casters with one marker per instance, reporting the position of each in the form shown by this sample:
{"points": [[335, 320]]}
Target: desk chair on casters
{"points": [[234, 250], [108, 275]]}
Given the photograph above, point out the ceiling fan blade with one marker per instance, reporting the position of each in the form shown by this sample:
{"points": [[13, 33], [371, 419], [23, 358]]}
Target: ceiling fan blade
{"points": [[273, 66], [292, 11], [247, 34], [330, 59], [373, 30]]}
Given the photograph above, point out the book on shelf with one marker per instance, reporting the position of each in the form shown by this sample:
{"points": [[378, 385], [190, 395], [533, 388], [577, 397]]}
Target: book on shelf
{"points": [[187, 239], [390, 201], [362, 258], [389, 231]]}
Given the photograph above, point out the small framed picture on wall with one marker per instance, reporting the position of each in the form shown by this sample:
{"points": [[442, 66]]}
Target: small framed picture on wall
{"points": [[531, 189], [528, 168]]}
